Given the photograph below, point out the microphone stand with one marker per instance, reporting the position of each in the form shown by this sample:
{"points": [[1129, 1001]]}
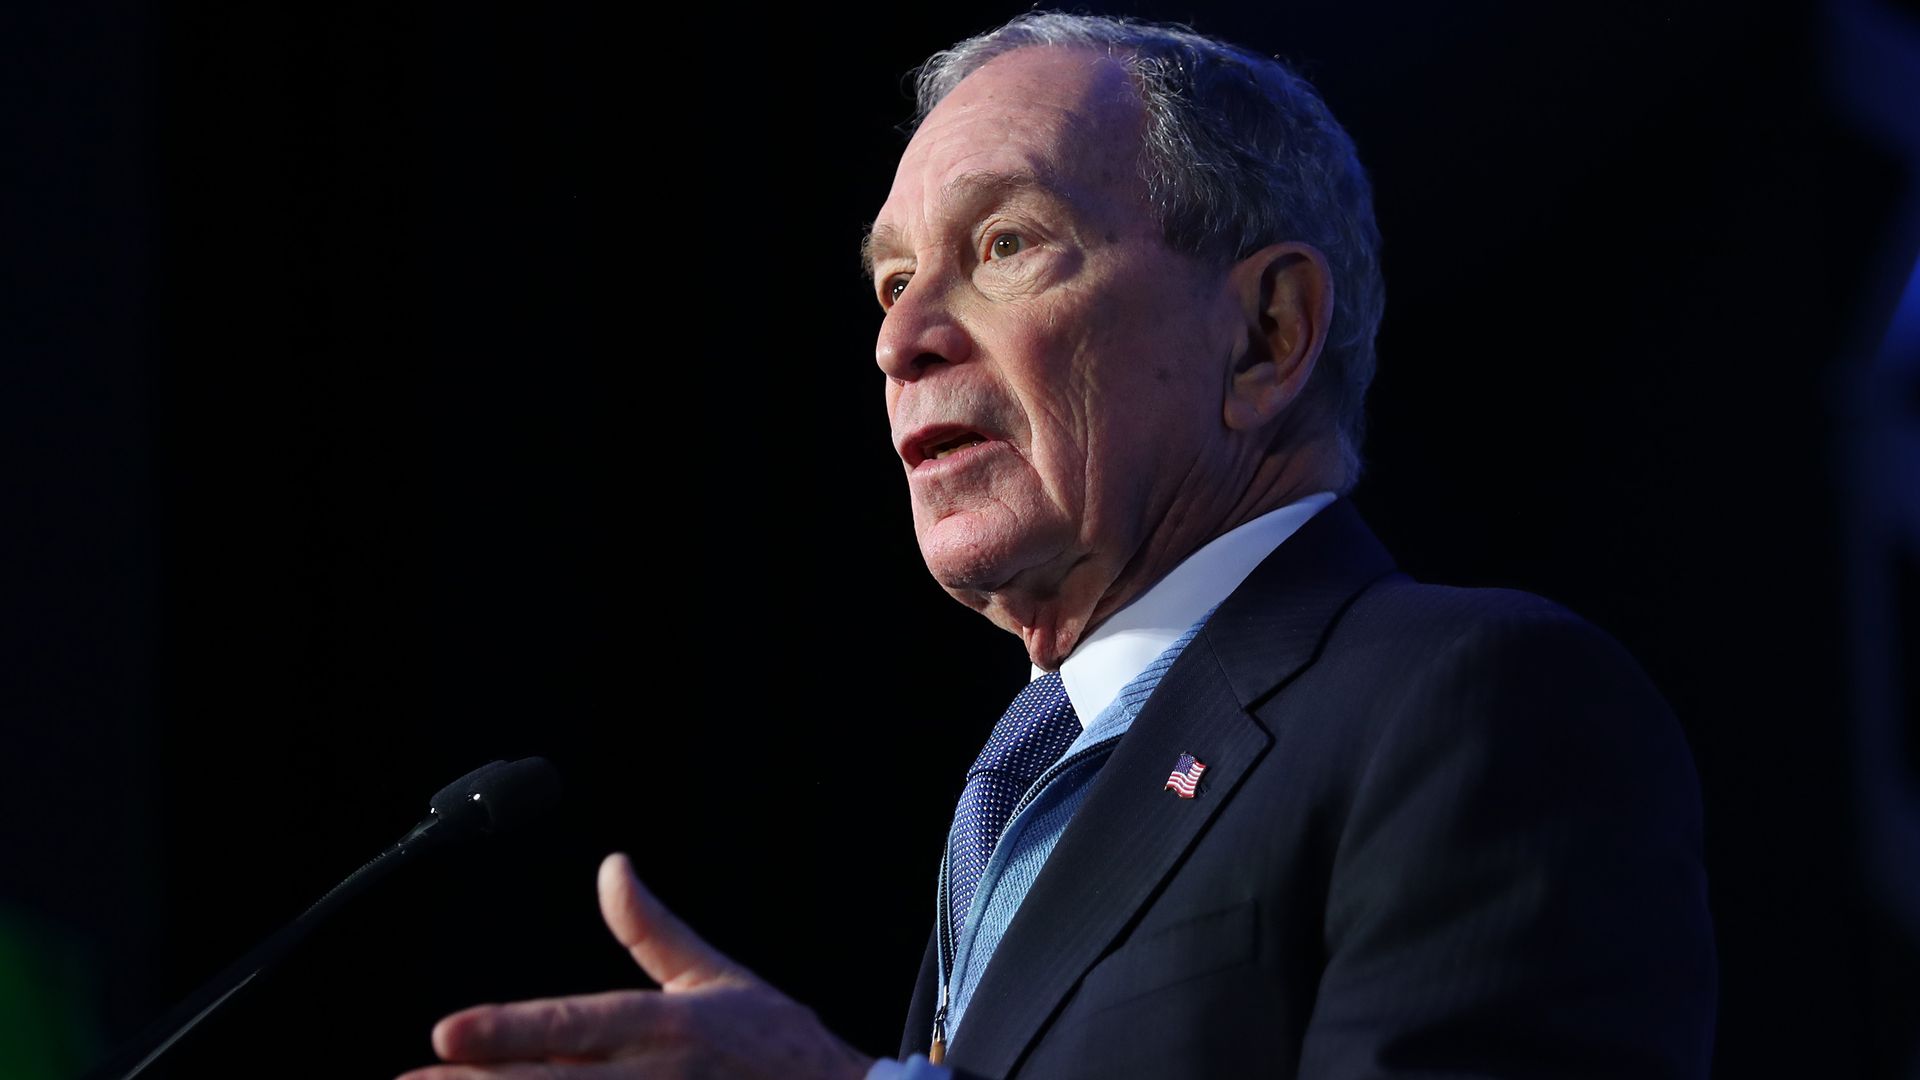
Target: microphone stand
{"points": [[483, 801], [160, 1036]]}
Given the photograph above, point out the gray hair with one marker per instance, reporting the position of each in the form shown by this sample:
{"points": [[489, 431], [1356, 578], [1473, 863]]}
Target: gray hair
{"points": [[1240, 152]]}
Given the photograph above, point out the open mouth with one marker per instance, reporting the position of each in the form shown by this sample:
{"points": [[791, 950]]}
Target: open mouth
{"points": [[943, 447], [941, 443]]}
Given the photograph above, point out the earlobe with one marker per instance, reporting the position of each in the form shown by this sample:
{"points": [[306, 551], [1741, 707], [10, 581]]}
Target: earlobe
{"points": [[1256, 395], [1286, 300]]}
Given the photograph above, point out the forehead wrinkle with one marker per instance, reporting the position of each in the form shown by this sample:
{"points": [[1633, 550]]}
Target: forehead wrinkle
{"points": [[977, 185], [1082, 129]]}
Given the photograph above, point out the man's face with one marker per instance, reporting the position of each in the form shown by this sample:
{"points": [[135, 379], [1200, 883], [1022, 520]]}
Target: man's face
{"points": [[1054, 371]]}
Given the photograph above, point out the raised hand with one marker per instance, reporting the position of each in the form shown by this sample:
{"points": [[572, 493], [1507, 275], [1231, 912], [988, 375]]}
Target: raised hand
{"points": [[710, 1018]]}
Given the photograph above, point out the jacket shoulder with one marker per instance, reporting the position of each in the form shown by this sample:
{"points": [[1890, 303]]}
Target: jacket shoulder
{"points": [[1401, 606], [1410, 628], [1514, 789], [1411, 671]]}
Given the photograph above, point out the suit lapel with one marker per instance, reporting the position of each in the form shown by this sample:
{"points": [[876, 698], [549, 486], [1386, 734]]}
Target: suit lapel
{"points": [[1086, 896], [1273, 624], [918, 1035]]}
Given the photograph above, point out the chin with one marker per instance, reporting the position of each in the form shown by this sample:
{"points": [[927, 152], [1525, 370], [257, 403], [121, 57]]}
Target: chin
{"points": [[963, 568], [968, 556]]}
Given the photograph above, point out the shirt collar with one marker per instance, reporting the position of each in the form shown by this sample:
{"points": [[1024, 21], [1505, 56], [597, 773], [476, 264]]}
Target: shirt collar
{"points": [[1122, 647]]}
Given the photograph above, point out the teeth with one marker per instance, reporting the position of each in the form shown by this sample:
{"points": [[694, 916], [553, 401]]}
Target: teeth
{"points": [[954, 448]]}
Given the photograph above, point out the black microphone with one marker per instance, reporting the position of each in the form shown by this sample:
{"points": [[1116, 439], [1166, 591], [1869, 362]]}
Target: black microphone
{"points": [[492, 798]]}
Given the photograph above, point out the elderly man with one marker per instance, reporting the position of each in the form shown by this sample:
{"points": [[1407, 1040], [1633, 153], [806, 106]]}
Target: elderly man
{"points": [[1267, 807]]}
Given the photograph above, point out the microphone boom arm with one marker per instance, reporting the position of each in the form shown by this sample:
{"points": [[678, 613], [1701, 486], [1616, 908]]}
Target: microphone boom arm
{"points": [[483, 801]]}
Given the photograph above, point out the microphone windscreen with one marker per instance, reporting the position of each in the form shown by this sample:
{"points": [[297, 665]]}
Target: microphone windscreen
{"points": [[458, 791], [505, 794]]}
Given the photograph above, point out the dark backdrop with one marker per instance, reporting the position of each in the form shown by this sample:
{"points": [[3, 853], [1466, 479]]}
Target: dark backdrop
{"points": [[388, 393]]}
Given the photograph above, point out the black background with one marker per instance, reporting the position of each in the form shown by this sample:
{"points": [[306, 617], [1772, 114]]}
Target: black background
{"points": [[392, 392]]}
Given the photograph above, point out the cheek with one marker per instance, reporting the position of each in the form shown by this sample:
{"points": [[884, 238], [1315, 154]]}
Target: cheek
{"points": [[1114, 384], [1055, 360], [1153, 399], [1057, 386]]}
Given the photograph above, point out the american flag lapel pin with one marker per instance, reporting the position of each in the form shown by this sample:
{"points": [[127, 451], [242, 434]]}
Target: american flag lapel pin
{"points": [[1186, 774]]}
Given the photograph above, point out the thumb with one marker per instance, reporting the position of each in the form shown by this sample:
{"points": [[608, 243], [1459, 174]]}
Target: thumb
{"points": [[670, 953]]}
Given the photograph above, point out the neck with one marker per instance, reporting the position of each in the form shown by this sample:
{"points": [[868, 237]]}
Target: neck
{"points": [[1053, 609]]}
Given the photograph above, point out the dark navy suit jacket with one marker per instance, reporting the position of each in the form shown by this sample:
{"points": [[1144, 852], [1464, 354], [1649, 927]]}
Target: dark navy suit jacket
{"points": [[1441, 833]]}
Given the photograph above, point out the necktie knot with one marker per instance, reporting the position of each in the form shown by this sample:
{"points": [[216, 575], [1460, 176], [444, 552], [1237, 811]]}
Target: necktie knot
{"points": [[1033, 733]]}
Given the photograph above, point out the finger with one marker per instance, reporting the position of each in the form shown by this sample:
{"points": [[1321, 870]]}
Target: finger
{"points": [[670, 953], [586, 1026]]}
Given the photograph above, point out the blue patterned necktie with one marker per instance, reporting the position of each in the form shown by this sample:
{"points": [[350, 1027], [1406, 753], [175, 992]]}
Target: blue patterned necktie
{"points": [[1036, 729]]}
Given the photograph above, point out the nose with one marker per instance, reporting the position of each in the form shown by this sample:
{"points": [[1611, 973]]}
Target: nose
{"points": [[919, 333]]}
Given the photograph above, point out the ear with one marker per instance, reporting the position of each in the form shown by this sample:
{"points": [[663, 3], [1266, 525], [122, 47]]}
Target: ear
{"points": [[1285, 293]]}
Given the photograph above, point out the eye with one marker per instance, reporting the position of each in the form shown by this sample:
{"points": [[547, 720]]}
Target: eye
{"points": [[891, 289], [1005, 244]]}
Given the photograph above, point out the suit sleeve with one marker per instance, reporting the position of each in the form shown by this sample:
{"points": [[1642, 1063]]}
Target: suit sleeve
{"points": [[1518, 888]]}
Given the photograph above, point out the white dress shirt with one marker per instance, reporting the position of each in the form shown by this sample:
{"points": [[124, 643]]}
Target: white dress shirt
{"points": [[1128, 641]]}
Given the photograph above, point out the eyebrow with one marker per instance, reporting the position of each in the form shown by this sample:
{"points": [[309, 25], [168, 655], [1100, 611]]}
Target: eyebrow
{"points": [[978, 186]]}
